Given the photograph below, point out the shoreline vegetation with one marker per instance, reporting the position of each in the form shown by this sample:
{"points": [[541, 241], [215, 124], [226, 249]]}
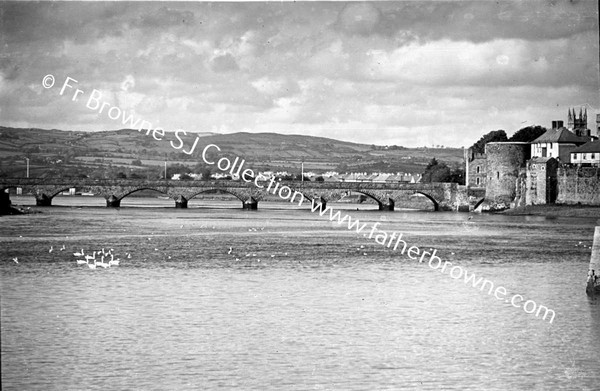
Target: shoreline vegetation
{"points": [[556, 210]]}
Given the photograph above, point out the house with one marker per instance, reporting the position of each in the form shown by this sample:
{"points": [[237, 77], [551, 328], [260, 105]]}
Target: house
{"points": [[381, 178], [557, 143], [587, 154]]}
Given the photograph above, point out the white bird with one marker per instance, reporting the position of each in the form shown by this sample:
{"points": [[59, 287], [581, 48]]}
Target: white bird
{"points": [[79, 254], [102, 263], [230, 250], [128, 256], [92, 265], [51, 248], [81, 261], [62, 248], [16, 260], [113, 261], [91, 257]]}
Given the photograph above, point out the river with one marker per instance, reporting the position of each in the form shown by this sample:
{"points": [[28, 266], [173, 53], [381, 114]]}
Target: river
{"points": [[214, 297]]}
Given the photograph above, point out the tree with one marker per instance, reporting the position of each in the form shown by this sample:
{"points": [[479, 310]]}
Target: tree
{"points": [[494, 135], [440, 172], [185, 177], [436, 172], [528, 134], [320, 179], [206, 173]]}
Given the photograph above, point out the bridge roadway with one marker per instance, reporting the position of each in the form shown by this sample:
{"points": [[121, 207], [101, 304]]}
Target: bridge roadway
{"points": [[444, 196]]}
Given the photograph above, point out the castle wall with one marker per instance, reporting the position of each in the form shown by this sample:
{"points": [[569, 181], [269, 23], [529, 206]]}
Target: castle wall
{"points": [[478, 171], [541, 182], [578, 185], [504, 160]]}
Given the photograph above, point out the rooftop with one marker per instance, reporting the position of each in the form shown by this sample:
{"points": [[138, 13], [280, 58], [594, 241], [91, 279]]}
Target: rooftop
{"points": [[560, 135], [592, 146]]}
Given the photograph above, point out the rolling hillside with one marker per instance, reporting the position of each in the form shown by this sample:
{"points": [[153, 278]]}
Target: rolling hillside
{"points": [[49, 150]]}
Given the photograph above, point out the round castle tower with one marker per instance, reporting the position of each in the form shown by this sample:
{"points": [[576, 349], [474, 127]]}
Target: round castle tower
{"points": [[504, 159]]}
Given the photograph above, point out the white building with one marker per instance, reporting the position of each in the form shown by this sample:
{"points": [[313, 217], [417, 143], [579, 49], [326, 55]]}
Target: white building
{"points": [[556, 143], [587, 154]]}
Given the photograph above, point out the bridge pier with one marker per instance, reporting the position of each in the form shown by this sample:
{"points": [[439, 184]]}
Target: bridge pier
{"points": [[43, 200], [389, 206], [5, 203], [250, 204], [181, 202], [113, 202], [323, 204]]}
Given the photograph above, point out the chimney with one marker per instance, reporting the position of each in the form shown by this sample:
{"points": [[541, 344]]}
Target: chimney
{"points": [[557, 125]]}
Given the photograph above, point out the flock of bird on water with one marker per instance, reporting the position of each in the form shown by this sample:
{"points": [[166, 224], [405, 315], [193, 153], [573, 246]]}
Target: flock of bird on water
{"points": [[103, 262]]}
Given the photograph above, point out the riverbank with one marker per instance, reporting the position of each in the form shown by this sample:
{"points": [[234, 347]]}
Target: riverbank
{"points": [[555, 210]]}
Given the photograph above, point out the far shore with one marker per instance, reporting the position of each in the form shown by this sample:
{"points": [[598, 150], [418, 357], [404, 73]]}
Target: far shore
{"points": [[557, 210]]}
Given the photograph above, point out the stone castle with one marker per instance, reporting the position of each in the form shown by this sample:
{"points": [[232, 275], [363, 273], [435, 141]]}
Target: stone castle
{"points": [[561, 166]]}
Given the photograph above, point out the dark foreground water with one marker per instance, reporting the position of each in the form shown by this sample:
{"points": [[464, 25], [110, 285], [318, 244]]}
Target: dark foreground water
{"points": [[299, 303]]}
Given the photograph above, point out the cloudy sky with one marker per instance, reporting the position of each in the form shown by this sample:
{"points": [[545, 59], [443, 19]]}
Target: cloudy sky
{"points": [[410, 73]]}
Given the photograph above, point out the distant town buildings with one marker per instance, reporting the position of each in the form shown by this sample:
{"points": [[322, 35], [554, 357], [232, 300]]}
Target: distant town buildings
{"points": [[330, 176]]}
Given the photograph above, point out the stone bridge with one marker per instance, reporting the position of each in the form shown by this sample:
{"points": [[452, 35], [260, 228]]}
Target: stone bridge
{"points": [[444, 196]]}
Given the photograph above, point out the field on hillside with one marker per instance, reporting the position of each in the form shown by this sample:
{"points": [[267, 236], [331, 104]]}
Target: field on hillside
{"points": [[50, 151]]}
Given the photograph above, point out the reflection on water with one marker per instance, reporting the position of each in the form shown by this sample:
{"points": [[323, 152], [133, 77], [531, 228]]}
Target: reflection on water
{"points": [[296, 304]]}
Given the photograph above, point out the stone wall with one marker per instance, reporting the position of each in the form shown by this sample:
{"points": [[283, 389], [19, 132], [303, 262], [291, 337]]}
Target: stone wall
{"points": [[504, 160], [478, 170], [541, 183], [578, 185]]}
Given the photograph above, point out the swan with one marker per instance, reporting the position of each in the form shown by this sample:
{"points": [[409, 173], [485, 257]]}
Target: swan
{"points": [[102, 263], [16, 260], [90, 257], [79, 254], [128, 256], [91, 265], [230, 250], [51, 248], [81, 261], [113, 261], [62, 248]]}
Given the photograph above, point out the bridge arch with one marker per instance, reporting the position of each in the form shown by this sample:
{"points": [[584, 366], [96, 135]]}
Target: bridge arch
{"points": [[436, 205], [218, 190], [382, 203], [140, 189]]}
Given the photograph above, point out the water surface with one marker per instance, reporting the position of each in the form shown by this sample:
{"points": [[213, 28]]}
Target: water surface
{"points": [[300, 303]]}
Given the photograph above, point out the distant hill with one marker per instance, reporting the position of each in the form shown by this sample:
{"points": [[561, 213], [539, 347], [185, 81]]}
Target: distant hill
{"points": [[262, 151]]}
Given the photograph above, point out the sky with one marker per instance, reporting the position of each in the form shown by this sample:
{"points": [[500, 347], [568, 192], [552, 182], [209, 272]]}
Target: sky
{"points": [[410, 73]]}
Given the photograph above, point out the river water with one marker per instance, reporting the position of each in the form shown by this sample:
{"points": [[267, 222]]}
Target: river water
{"points": [[298, 304]]}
